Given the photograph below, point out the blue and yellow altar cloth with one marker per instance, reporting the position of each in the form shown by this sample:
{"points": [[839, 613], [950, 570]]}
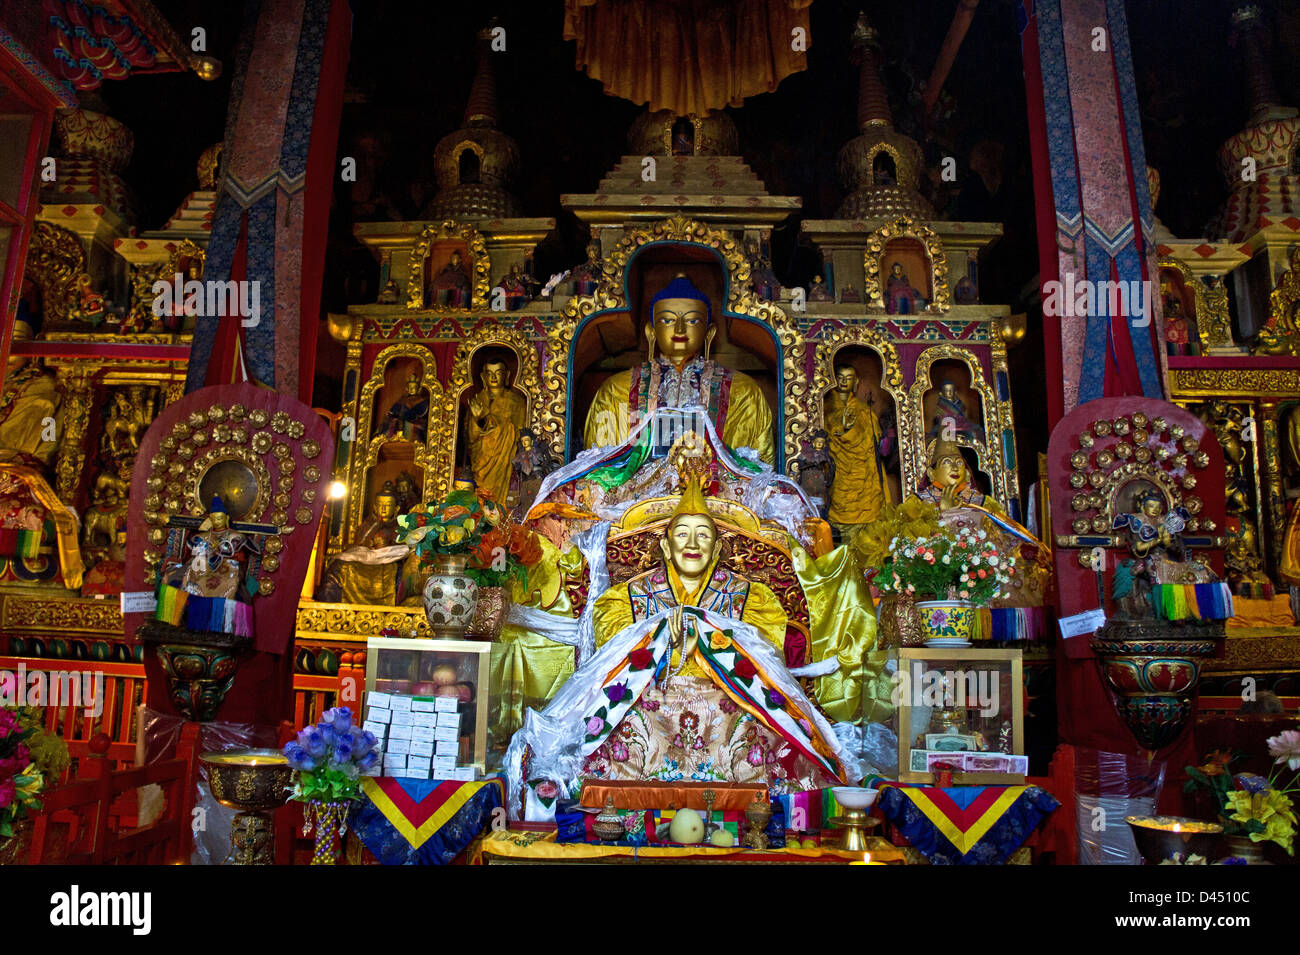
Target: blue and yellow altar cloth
{"points": [[965, 825], [424, 821]]}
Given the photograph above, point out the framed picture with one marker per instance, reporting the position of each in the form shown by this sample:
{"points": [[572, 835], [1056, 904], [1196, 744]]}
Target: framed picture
{"points": [[961, 707]]}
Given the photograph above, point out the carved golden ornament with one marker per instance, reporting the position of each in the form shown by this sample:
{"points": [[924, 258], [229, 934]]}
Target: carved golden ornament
{"points": [[1193, 524], [286, 482], [480, 281], [238, 435], [1078, 479], [1081, 525], [266, 586], [296, 430], [527, 381], [197, 419], [1100, 525], [270, 563], [1101, 428], [1280, 334], [56, 615], [1080, 502], [181, 430], [303, 515], [1193, 504], [356, 622], [262, 442], [1121, 426], [199, 438], [1142, 455], [309, 494], [237, 413], [1086, 440], [1163, 454], [311, 474], [280, 422], [1141, 436], [1176, 432], [878, 240], [221, 433], [157, 536], [153, 482], [1180, 460], [1209, 526], [910, 436], [56, 264], [996, 415], [259, 417], [185, 451], [1159, 425], [1200, 459], [287, 465], [310, 448], [1105, 458], [1098, 478], [281, 499], [1124, 451], [1190, 444], [1139, 420], [1189, 482], [280, 518], [282, 450], [167, 444], [1079, 460], [1222, 382]]}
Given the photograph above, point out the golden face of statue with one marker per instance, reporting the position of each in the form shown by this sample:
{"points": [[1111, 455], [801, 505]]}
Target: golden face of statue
{"points": [[846, 380], [691, 545], [495, 375], [947, 471], [526, 442], [412, 386], [1152, 507], [220, 520], [385, 507], [680, 325]]}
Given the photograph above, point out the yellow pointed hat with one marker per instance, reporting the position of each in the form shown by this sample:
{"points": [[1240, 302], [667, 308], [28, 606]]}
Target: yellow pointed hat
{"points": [[692, 501]]}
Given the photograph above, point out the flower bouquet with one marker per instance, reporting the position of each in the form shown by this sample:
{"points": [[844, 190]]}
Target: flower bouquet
{"points": [[30, 759], [948, 574], [328, 760], [1251, 806], [454, 525]]}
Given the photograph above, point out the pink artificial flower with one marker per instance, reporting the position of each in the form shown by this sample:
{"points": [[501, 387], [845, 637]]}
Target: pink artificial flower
{"points": [[755, 755], [618, 752], [1286, 748], [595, 725]]}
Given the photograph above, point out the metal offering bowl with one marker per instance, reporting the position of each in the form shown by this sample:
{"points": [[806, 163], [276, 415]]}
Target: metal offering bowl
{"points": [[855, 797], [249, 779], [1159, 837]]}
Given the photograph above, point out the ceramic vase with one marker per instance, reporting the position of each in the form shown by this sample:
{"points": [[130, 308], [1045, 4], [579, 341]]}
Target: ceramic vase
{"points": [[450, 597], [946, 623]]}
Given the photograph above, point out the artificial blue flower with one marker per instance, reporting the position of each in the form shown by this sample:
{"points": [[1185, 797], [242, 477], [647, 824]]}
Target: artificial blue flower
{"points": [[368, 761], [1252, 783]]}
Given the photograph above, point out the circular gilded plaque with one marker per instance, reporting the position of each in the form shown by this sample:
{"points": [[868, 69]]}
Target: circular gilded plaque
{"points": [[1121, 426], [1079, 460], [1142, 454], [1081, 525], [310, 448], [311, 473], [258, 417], [1101, 428], [303, 515], [1140, 420], [280, 422], [1086, 440], [1078, 479]]}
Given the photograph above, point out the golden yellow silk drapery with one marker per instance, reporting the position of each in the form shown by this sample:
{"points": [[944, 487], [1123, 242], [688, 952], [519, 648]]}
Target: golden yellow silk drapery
{"points": [[688, 56], [844, 626]]}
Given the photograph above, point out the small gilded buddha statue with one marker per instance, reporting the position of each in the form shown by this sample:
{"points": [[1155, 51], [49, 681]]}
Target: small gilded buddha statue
{"points": [[947, 480], [949, 419], [368, 571], [494, 417], [860, 488], [679, 374], [28, 406], [451, 286], [216, 557], [689, 680], [408, 418]]}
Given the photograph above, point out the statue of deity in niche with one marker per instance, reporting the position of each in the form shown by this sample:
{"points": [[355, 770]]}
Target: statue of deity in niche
{"points": [[815, 470], [694, 696], [408, 495], [586, 276], [765, 283], [817, 290], [451, 286], [495, 415], [531, 464], [950, 413], [519, 287], [860, 489], [368, 572], [1154, 535], [680, 374], [1180, 329], [900, 297], [28, 405], [408, 418]]}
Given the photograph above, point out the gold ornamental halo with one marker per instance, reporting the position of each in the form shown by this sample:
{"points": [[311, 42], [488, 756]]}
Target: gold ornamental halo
{"points": [[907, 227], [609, 296], [480, 281], [435, 457], [527, 381], [1213, 320], [922, 383], [891, 379]]}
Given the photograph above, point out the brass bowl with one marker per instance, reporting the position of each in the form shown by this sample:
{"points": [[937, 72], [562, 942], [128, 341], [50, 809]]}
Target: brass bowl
{"points": [[1158, 840], [249, 779]]}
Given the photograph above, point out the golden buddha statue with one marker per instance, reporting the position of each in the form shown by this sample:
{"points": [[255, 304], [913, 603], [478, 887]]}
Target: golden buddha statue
{"points": [[493, 420], [859, 489], [215, 567], [368, 572], [28, 406], [678, 374], [688, 682], [948, 481]]}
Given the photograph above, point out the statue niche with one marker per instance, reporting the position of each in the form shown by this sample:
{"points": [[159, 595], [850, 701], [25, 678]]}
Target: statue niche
{"points": [[860, 423], [905, 273]]}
